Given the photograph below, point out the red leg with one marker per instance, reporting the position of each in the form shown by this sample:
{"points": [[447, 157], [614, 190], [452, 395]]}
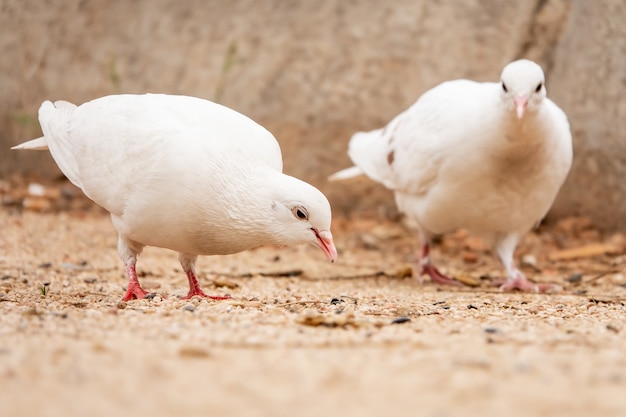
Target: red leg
{"points": [[188, 262], [134, 290], [429, 269], [518, 281], [194, 287]]}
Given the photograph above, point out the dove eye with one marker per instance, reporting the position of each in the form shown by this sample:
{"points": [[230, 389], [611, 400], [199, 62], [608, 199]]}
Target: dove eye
{"points": [[300, 213], [506, 90], [538, 87]]}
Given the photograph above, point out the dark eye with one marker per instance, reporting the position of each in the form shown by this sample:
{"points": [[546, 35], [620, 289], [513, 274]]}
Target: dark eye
{"points": [[300, 212], [506, 90], [538, 87]]}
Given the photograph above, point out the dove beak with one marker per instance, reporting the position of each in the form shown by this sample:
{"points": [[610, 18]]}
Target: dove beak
{"points": [[325, 242], [520, 105]]}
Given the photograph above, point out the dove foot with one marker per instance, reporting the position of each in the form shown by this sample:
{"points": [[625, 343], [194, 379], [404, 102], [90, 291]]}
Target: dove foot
{"points": [[194, 289], [134, 290], [437, 277], [429, 269], [198, 292], [523, 284]]}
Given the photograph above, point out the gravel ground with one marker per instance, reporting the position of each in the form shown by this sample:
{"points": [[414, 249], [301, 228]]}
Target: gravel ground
{"points": [[302, 337]]}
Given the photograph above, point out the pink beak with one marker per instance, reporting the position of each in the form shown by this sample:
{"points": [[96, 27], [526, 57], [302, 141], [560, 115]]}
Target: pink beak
{"points": [[325, 243], [520, 105]]}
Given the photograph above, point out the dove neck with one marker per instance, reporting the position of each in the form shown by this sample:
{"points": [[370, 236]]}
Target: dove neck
{"points": [[258, 203]]}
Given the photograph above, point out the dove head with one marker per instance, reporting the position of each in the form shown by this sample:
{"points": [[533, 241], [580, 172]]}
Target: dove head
{"points": [[301, 214], [522, 86]]}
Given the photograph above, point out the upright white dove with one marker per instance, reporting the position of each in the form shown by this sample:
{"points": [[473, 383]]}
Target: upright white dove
{"points": [[488, 157], [185, 174]]}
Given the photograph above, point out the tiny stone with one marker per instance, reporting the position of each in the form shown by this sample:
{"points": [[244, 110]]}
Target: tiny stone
{"points": [[575, 278], [90, 280], [529, 260], [150, 296], [400, 320], [336, 301], [189, 307], [612, 328], [193, 352], [45, 265], [121, 305], [472, 306], [37, 190], [491, 330]]}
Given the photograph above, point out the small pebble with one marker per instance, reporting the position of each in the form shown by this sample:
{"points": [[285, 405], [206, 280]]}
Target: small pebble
{"points": [[491, 330], [150, 296], [121, 305], [335, 301], [472, 306], [189, 307], [575, 278], [400, 320], [36, 190], [612, 328], [529, 260], [193, 352]]}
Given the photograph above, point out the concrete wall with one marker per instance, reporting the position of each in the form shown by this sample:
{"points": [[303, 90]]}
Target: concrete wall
{"points": [[313, 72]]}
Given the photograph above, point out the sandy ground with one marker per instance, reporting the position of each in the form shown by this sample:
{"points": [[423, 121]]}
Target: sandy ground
{"points": [[302, 337]]}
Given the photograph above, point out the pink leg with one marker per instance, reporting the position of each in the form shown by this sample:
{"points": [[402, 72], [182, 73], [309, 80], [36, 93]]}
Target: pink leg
{"points": [[429, 269], [518, 281], [188, 262], [134, 290], [194, 289]]}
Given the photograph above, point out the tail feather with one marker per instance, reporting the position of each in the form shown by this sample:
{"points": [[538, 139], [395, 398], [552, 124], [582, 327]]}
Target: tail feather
{"points": [[62, 104], [54, 119], [47, 108], [346, 174], [39, 144], [370, 152]]}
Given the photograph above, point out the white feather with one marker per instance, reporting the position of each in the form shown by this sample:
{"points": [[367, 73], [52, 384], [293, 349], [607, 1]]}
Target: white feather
{"points": [[460, 157], [181, 173]]}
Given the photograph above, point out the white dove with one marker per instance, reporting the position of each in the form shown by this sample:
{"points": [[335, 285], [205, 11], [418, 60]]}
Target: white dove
{"points": [[185, 174], [488, 157]]}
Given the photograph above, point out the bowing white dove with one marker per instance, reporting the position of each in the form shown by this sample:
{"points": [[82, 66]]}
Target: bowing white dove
{"points": [[487, 157], [185, 174]]}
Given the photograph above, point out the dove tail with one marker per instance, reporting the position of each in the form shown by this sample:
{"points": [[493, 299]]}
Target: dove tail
{"points": [[370, 152], [39, 144], [54, 119], [346, 174], [46, 111]]}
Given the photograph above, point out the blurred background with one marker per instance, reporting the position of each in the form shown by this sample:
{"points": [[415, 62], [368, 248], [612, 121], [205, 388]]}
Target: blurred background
{"points": [[314, 72]]}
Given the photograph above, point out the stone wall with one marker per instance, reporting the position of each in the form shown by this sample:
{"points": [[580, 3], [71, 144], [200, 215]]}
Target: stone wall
{"points": [[315, 72]]}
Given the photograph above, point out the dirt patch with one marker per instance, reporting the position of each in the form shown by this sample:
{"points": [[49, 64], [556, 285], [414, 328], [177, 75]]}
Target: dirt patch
{"points": [[304, 337]]}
